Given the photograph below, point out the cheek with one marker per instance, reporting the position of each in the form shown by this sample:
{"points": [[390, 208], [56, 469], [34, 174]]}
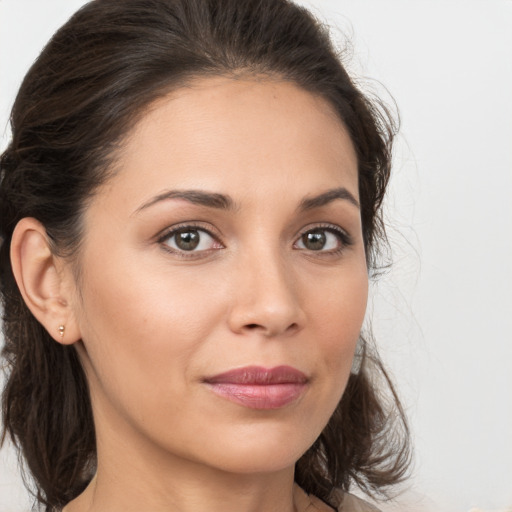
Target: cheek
{"points": [[340, 312], [341, 304], [140, 322]]}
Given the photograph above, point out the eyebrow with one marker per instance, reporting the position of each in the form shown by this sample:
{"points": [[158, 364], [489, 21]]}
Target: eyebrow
{"points": [[209, 199], [323, 199], [224, 202]]}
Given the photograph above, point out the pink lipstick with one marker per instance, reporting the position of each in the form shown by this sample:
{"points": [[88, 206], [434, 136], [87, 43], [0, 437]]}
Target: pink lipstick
{"points": [[256, 387]]}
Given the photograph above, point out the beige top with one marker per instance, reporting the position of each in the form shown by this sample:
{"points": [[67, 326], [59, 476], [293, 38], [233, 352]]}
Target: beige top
{"points": [[308, 503]]}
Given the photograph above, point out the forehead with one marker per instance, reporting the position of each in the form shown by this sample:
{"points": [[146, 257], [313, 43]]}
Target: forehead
{"points": [[249, 136]]}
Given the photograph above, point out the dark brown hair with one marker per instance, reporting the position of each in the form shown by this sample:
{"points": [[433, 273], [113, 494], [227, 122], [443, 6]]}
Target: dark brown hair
{"points": [[79, 100]]}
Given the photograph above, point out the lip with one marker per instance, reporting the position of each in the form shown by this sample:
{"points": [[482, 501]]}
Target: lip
{"points": [[257, 387]]}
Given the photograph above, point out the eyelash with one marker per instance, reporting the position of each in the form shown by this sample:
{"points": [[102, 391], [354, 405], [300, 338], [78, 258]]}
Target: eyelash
{"points": [[345, 240], [169, 233]]}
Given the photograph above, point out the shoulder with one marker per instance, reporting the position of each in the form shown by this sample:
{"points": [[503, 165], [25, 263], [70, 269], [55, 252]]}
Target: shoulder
{"points": [[350, 503]]}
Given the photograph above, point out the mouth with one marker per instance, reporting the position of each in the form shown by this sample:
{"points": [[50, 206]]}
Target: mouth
{"points": [[256, 387]]}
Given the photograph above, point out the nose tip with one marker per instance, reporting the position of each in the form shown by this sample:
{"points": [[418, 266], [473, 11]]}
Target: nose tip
{"points": [[271, 328], [268, 304]]}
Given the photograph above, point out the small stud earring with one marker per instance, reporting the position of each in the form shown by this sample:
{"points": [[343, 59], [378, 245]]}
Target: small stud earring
{"points": [[61, 331]]}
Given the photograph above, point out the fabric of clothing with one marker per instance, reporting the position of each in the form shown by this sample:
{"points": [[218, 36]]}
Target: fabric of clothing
{"points": [[309, 503]]}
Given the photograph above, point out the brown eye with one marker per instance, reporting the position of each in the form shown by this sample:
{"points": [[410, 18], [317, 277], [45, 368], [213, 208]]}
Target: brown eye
{"points": [[190, 239], [187, 239], [321, 239], [314, 240]]}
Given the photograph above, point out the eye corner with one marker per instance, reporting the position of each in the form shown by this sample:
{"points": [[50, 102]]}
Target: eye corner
{"points": [[198, 241], [323, 235]]}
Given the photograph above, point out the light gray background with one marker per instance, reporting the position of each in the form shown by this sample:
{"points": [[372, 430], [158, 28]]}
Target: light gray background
{"points": [[443, 314]]}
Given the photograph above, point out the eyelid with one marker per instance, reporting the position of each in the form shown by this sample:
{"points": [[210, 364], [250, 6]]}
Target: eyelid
{"points": [[192, 225], [346, 239]]}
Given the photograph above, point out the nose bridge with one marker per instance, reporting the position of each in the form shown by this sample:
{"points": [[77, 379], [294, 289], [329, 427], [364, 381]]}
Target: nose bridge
{"points": [[267, 299]]}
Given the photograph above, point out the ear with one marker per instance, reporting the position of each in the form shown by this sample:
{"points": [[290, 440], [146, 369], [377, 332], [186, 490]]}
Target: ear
{"points": [[45, 281]]}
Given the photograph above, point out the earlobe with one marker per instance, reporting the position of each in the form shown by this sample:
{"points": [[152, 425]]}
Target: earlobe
{"points": [[42, 282]]}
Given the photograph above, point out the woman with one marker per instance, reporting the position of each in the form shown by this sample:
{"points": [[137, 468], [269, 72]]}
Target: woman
{"points": [[190, 212]]}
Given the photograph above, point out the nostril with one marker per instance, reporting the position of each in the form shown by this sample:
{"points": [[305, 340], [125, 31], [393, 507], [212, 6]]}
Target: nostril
{"points": [[293, 327], [268, 330]]}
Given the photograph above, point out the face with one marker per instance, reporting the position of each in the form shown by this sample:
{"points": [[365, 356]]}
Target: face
{"points": [[223, 277]]}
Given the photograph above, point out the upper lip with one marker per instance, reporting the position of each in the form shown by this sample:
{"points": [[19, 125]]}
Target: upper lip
{"points": [[258, 375]]}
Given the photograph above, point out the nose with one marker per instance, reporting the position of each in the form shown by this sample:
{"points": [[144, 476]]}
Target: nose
{"points": [[266, 298]]}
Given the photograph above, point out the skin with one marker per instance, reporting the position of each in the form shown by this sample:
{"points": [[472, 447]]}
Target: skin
{"points": [[153, 321]]}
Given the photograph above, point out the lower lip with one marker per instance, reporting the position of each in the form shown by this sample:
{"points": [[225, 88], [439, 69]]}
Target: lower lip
{"points": [[256, 396]]}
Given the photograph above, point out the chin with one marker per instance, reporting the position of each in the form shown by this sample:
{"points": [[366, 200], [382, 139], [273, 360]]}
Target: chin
{"points": [[259, 463], [260, 452]]}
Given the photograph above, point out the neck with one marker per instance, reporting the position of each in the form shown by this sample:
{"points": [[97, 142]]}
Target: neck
{"points": [[136, 476]]}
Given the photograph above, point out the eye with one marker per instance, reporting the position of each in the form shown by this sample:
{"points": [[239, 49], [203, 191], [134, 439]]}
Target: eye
{"points": [[189, 239], [323, 239]]}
